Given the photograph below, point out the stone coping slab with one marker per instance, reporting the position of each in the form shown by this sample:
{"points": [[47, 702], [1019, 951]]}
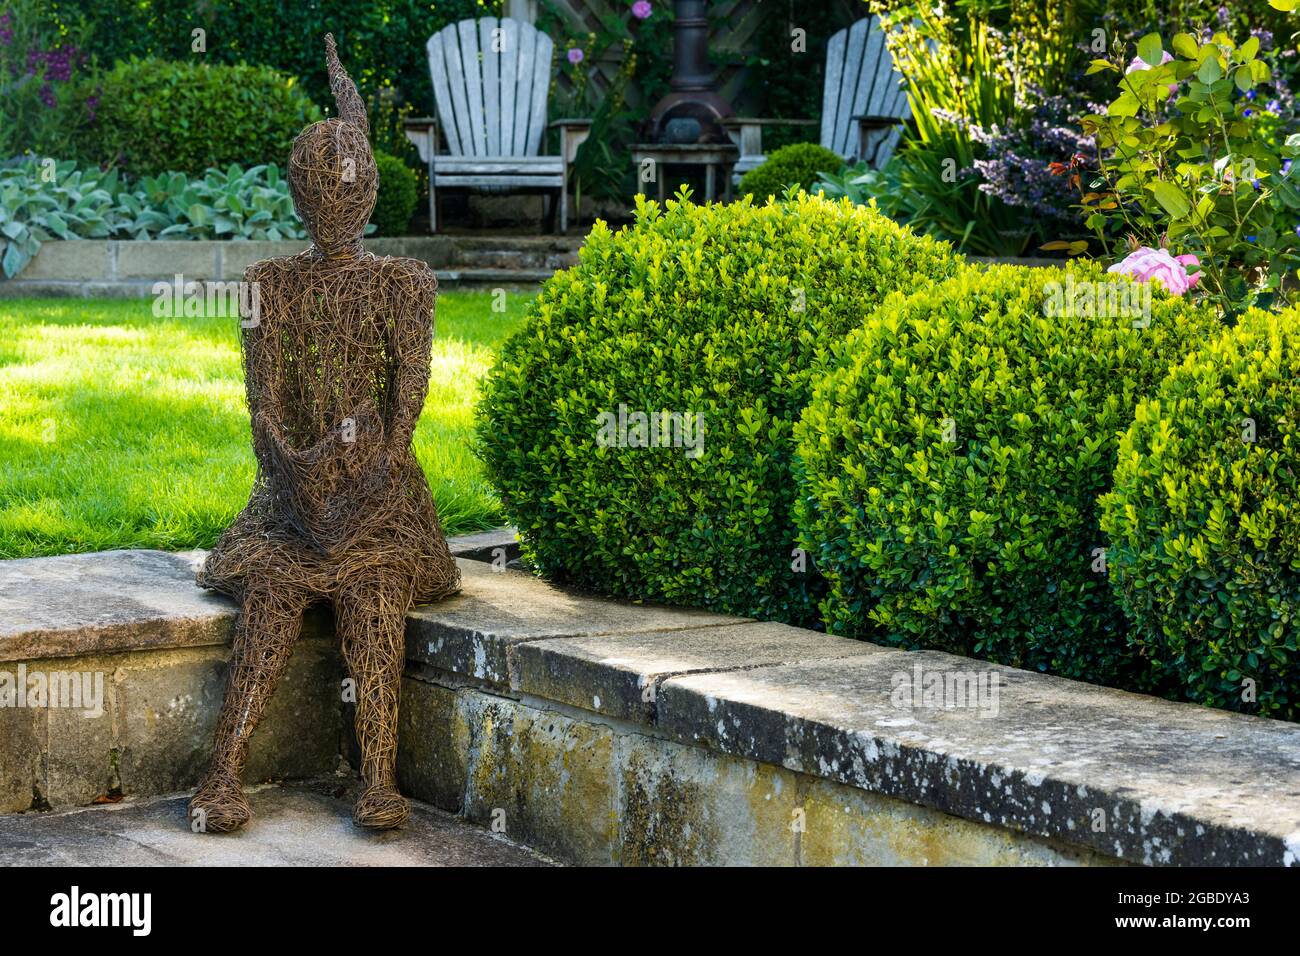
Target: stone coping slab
{"points": [[476, 632], [619, 674], [77, 604], [1135, 777], [129, 600]]}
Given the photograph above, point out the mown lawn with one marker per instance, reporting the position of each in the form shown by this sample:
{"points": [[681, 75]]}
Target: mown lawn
{"points": [[122, 430]]}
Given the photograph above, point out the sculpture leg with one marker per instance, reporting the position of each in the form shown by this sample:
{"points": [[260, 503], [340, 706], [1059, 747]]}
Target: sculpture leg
{"points": [[269, 623], [371, 619]]}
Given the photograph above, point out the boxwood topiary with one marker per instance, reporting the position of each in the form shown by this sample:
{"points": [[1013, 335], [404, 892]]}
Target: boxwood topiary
{"points": [[949, 468], [398, 194], [795, 165], [155, 116], [710, 310], [1204, 520]]}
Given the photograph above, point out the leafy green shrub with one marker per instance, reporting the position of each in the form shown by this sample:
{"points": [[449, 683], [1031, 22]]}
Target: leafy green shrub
{"points": [[40, 201], [1205, 535], [398, 194], [235, 204], [381, 43], [43, 200], [1228, 200], [711, 310], [154, 117], [795, 165], [949, 467]]}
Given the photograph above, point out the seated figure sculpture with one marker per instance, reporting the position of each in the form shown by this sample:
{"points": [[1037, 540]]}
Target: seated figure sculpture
{"points": [[337, 367]]}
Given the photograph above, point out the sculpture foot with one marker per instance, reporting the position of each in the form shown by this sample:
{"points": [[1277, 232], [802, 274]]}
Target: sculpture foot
{"points": [[380, 808], [219, 805]]}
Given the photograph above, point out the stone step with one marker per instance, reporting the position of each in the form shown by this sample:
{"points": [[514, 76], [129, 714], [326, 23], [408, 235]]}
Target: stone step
{"points": [[302, 824], [485, 278]]}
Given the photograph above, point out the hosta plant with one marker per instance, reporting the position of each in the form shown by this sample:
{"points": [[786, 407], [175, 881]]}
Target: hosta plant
{"points": [[235, 204], [44, 200]]}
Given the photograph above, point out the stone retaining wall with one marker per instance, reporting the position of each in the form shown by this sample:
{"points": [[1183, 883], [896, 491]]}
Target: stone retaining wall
{"points": [[126, 268], [602, 732]]}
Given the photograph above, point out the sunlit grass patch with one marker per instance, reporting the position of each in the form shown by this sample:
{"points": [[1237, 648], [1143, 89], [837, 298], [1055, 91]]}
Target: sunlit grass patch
{"points": [[122, 430]]}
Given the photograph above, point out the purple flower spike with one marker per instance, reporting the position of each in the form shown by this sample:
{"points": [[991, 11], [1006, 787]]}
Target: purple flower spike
{"points": [[575, 55]]}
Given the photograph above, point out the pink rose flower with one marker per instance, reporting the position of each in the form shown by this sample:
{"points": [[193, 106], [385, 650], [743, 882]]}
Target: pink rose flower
{"points": [[641, 9], [1147, 265], [1137, 63]]}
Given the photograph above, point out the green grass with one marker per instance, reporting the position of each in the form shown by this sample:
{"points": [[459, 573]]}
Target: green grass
{"points": [[122, 430]]}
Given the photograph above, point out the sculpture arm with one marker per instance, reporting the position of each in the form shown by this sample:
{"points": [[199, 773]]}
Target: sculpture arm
{"points": [[412, 349], [260, 360]]}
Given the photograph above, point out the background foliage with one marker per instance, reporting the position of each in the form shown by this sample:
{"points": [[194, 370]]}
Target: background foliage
{"points": [[156, 116]]}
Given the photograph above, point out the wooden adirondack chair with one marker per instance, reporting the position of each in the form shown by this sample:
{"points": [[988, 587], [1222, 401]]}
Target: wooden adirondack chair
{"points": [[863, 103], [490, 83]]}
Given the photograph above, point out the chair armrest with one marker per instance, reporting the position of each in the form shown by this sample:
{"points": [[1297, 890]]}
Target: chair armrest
{"points": [[573, 133], [869, 128], [766, 121], [746, 132], [423, 132], [876, 122]]}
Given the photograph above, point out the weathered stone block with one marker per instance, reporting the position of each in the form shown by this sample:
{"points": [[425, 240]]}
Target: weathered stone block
{"points": [[168, 713], [238, 255], [541, 778], [844, 826], [82, 753], [23, 736], [432, 745], [79, 259], [682, 806], [169, 703], [163, 259]]}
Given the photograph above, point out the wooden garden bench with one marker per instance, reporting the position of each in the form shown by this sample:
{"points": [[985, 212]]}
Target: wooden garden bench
{"points": [[863, 103], [490, 83]]}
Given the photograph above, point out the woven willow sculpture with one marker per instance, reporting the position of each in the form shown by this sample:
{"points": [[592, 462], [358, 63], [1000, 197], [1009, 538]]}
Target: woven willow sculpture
{"points": [[337, 367]]}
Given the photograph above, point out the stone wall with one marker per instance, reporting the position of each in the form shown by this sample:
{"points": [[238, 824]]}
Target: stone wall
{"points": [[604, 732], [120, 268]]}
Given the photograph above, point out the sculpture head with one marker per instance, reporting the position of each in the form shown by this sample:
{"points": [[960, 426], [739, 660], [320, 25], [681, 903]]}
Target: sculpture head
{"points": [[332, 173]]}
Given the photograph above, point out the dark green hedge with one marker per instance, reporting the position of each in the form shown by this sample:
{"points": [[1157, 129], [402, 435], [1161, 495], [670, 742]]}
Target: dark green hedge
{"points": [[950, 468], [716, 310], [1204, 521], [154, 116], [398, 194], [795, 165], [381, 42]]}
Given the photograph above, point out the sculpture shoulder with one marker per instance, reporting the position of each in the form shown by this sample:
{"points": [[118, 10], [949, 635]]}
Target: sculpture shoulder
{"points": [[265, 268], [413, 274]]}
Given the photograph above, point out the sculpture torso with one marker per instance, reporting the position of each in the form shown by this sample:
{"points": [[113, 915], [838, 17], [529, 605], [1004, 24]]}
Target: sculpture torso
{"points": [[337, 366]]}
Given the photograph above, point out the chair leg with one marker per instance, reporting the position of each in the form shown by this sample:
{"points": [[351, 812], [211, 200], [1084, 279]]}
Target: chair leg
{"points": [[564, 208], [552, 209], [433, 205]]}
